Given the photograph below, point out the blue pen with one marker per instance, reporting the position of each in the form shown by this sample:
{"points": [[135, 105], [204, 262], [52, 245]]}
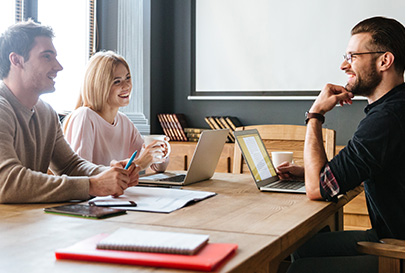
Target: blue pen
{"points": [[131, 160]]}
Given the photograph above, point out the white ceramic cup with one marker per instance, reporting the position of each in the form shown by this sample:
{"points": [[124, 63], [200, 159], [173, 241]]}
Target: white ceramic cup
{"points": [[151, 138], [280, 157]]}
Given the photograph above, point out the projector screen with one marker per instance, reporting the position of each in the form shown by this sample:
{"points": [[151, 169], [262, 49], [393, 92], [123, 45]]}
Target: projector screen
{"points": [[268, 45]]}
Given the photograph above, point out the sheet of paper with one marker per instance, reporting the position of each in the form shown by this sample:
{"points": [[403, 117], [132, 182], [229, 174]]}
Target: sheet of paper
{"points": [[156, 199], [257, 157]]}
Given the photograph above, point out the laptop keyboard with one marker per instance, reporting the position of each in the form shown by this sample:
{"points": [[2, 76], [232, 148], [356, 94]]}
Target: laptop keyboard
{"points": [[176, 178], [291, 185]]}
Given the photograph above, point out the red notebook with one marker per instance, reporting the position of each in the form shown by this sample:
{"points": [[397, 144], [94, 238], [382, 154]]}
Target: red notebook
{"points": [[207, 259]]}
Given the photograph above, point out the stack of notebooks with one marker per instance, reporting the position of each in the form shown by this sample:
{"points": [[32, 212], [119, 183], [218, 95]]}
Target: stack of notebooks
{"points": [[151, 248], [193, 134], [224, 122], [173, 126]]}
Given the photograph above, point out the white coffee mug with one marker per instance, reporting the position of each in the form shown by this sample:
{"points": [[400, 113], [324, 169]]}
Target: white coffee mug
{"points": [[151, 138], [280, 157]]}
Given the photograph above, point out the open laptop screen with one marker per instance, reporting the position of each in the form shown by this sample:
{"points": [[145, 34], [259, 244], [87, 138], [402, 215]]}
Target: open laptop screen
{"points": [[255, 155]]}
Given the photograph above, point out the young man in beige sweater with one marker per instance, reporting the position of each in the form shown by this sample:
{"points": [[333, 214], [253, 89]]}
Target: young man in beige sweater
{"points": [[31, 139]]}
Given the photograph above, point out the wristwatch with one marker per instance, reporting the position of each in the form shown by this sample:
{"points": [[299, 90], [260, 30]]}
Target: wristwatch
{"points": [[317, 116]]}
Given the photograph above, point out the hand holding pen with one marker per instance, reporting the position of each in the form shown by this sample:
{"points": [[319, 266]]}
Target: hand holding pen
{"points": [[133, 169], [134, 172], [131, 160], [113, 181]]}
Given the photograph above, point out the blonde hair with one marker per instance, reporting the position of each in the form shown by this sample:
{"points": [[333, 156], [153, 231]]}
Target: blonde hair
{"points": [[98, 80]]}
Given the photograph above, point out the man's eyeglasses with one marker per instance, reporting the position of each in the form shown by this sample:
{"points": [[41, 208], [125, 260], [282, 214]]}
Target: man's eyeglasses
{"points": [[348, 56]]}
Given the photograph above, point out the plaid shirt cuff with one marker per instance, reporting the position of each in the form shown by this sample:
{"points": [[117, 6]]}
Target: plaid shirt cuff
{"points": [[328, 182]]}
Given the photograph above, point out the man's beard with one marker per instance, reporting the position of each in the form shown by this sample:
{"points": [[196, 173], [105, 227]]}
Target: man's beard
{"points": [[366, 83]]}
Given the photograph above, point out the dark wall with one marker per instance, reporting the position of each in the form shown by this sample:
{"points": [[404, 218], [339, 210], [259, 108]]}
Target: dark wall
{"points": [[171, 82], [162, 60], [107, 22]]}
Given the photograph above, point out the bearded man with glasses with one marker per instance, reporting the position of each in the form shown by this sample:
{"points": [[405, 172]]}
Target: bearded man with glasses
{"points": [[375, 155]]}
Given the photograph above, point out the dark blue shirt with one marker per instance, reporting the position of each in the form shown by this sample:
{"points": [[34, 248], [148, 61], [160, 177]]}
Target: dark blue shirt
{"points": [[376, 156]]}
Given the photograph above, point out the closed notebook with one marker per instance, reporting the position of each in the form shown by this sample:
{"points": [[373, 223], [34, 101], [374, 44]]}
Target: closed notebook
{"points": [[210, 258], [154, 241]]}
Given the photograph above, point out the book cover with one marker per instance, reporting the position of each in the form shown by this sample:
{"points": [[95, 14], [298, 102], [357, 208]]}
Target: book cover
{"points": [[180, 123], [169, 123], [170, 131], [225, 125], [194, 135], [234, 122], [172, 125], [214, 122], [194, 130], [208, 259], [164, 126], [208, 120], [220, 125], [154, 241]]}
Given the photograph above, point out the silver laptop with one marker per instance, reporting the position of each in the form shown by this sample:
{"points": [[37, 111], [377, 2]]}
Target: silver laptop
{"points": [[202, 165], [261, 167]]}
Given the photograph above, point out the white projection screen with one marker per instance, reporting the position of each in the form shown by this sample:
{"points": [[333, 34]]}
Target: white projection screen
{"points": [[272, 45]]}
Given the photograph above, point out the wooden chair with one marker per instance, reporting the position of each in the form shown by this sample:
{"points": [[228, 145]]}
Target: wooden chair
{"points": [[284, 138], [391, 253]]}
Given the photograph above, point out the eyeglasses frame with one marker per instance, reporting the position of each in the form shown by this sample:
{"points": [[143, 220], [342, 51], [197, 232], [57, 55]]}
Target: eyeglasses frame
{"points": [[348, 56]]}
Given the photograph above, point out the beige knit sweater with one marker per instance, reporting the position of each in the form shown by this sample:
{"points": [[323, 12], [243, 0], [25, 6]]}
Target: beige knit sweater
{"points": [[31, 140]]}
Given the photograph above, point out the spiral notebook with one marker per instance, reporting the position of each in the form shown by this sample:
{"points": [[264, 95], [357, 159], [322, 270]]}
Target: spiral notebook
{"points": [[127, 239], [209, 258]]}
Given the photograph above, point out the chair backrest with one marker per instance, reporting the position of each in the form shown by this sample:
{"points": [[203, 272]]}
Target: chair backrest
{"points": [[284, 138], [391, 253]]}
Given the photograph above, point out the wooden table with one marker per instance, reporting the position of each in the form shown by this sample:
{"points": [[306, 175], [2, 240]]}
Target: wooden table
{"points": [[266, 226]]}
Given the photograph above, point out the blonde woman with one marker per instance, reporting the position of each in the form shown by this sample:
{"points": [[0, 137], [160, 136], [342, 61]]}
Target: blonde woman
{"points": [[96, 130]]}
